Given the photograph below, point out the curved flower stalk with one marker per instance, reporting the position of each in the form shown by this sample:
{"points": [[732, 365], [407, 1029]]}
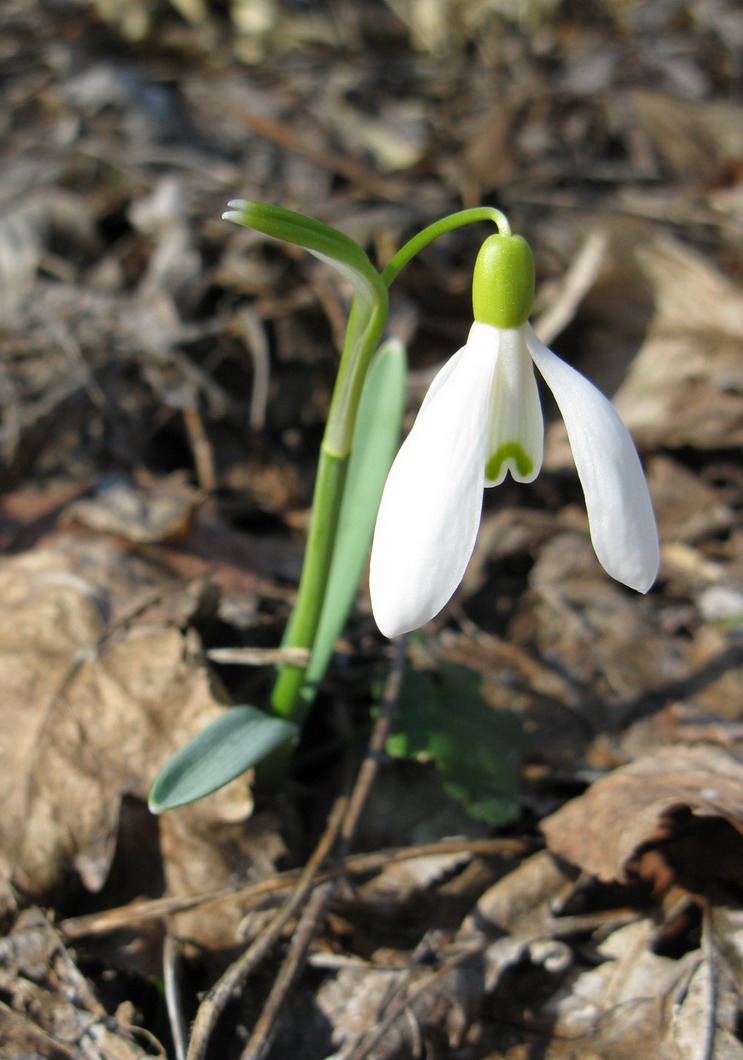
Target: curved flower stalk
{"points": [[481, 419]]}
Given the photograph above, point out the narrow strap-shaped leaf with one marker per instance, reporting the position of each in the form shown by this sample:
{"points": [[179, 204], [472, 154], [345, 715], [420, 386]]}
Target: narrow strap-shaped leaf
{"points": [[241, 738], [376, 439], [320, 239]]}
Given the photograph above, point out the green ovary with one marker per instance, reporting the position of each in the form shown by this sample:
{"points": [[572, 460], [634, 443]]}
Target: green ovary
{"points": [[509, 451]]}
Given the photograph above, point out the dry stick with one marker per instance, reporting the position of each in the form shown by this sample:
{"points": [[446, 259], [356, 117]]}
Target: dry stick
{"points": [[201, 447], [260, 656], [253, 334], [375, 750], [576, 283], [254, 895], [214, 1003], [173, 997], [708, 1046], [314, 914], [301, 941]]}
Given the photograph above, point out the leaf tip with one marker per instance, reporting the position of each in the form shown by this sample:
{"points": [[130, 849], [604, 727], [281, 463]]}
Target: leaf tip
{"points": [[236, 211]]}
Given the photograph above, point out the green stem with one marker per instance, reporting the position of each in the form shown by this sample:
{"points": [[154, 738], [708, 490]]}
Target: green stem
{"points": [[331, 475], [438, 228], [365, 326]]}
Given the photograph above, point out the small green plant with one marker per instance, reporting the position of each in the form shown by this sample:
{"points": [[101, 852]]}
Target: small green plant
{"points": [[442, 718], [480, 419]]}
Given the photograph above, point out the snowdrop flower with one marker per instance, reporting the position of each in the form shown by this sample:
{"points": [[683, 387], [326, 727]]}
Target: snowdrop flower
{"points": [[481, 419]]}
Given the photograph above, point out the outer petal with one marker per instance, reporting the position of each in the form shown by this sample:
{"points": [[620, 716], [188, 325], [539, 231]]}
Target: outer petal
{"points": [[620, 514], [441, 376], [516, 438], [430, 510]]}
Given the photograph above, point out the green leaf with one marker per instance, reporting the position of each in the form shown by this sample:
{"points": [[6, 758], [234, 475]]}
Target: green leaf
{"points": [[443, 719], [326, 243], [241, 738], [376, 440]]}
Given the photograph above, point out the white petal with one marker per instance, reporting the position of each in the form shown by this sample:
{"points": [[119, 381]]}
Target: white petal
{"points": [[516, 439], [620, 513], [442, 375], [430, 510]]}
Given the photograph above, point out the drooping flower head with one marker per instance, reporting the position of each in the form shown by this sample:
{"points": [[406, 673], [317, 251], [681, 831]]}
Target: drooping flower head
{"points": [[482, 418]]}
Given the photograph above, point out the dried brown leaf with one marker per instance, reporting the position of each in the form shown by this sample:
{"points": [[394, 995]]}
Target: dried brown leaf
{"points": [[52, 1010], [685, 386], [520, 901], [575, 614], [637, 1002], [143, 512], [90, 710], [627, 1006], [652, 817], [361, 1000], [721, 991], [687, 509], [697, 141]]}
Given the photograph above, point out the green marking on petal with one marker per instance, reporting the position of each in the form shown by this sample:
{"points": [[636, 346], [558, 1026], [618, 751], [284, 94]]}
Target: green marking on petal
{"points": [[509, 451]]}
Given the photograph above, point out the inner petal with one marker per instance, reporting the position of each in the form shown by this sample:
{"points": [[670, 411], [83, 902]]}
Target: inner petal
{"points": [[516, 434]]}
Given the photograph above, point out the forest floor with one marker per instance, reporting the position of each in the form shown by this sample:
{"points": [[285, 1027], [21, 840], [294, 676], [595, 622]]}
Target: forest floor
{"points": [[565, 878]]}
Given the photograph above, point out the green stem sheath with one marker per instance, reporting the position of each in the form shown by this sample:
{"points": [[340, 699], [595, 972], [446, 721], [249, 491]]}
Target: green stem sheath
{"points": [[364, 331], [331, 475]]}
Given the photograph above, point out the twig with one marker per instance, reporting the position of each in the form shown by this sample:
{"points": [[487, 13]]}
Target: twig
{"points": [[259, 656], [255, 894], [315, 912], [253, 334], [707, 1050], [301, 941], [173, 997], [324, 156], [219, 995], [375, 750], [576, 283], [201, 448]]}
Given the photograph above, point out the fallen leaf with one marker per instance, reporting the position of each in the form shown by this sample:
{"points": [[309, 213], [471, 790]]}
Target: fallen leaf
{"points": [[51, 1009], [640, 1003], [685, 387], [520, 902], [94, 702], [141, 512], [697, 140], [575, 614], [627, 1006], [674, 816], [687, 509]]}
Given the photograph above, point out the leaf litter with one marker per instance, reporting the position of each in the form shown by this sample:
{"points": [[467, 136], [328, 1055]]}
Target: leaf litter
{"points": [[164, 379]]}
